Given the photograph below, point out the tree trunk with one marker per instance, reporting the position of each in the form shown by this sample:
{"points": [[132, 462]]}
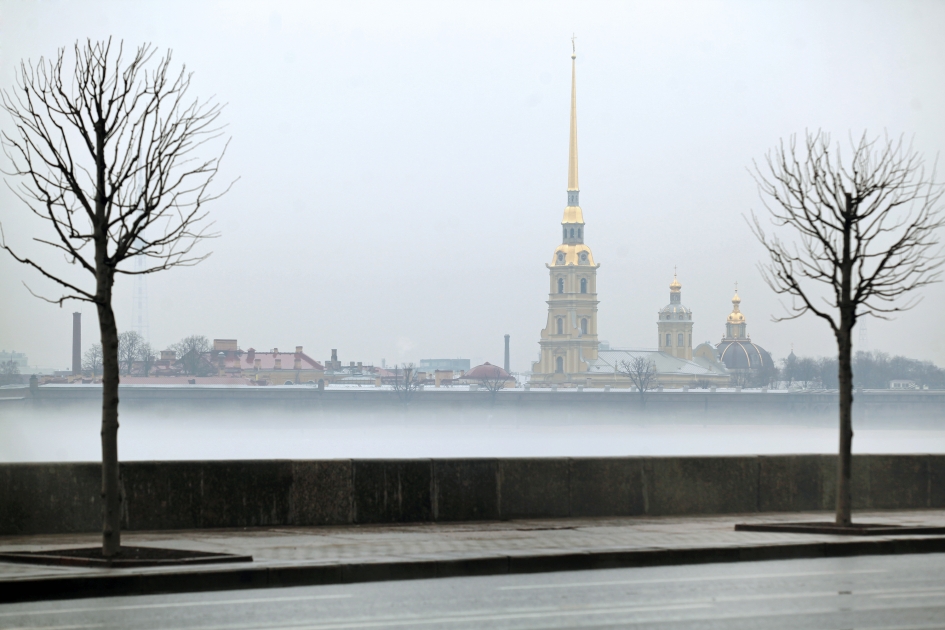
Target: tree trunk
{"points": [[104, 280], [111, 481], [845, 347], [844, 463]]}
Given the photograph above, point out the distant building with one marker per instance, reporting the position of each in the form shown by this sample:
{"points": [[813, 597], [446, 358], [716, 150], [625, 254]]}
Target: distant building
{"points": [[488, 375], [675, 325], [736, 350], [19, 359], [444, 365]]}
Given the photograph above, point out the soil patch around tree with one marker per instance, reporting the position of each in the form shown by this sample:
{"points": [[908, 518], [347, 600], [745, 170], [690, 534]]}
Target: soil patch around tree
{"points": [[128, 557], [854, 529]]}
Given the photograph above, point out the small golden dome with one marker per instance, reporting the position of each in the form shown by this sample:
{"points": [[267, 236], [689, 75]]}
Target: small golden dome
{"points": [[675, 286], [736, 317]]}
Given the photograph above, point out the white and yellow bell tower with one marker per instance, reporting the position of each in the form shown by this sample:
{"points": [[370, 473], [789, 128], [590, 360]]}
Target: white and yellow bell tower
{"points": [[569, 340]]}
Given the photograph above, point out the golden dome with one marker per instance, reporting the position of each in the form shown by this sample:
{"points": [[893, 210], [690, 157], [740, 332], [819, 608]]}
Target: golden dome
{"points": [[736, 317], [675, 287]]}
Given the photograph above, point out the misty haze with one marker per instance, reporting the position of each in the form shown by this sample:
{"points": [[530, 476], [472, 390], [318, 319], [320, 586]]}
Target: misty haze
{"points": [[478, 314]]}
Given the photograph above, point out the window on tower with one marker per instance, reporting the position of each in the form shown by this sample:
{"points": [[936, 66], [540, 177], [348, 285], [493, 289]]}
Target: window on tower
{"points": [[583, 285], [559, 364], [679, 340], [560, 326], [572, 232], [560, 285], [668, 340], [583, 326], [579, 232]]}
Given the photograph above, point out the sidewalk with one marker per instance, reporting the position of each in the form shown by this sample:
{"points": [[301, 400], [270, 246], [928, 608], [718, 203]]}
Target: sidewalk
{"points": [[330, 555]]}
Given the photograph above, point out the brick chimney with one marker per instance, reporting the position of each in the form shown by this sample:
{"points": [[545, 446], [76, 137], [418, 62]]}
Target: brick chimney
{"points": [[76, 344], [251, 356]]}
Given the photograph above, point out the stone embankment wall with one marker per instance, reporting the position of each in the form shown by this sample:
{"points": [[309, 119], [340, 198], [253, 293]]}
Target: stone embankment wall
{"points": [[54, 498]]}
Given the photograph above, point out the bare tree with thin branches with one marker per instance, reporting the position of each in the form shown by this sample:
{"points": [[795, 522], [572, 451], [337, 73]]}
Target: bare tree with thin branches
{"points": [[493, 380], [406, 381], [865, 234], [105, 148], [130, 344], [642, 373]]}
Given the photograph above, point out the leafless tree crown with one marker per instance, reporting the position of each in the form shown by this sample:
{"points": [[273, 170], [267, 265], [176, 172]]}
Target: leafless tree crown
{"points": [[876, 215], [108, 152]]}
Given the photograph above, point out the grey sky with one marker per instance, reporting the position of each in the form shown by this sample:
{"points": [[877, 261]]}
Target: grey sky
{"points": [[403, 166]]}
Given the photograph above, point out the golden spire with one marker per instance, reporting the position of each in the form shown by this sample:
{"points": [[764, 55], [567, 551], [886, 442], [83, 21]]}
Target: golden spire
{"points": [[573, 147], [675, 287]]}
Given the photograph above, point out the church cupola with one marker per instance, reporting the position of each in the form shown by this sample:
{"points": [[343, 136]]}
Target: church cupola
{"points": [[735, 326]]}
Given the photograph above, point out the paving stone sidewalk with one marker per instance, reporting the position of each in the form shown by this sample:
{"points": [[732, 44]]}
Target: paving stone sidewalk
{"points": [[490, 544]]}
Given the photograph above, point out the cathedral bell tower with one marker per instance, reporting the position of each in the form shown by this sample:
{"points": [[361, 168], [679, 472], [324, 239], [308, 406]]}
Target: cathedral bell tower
{"points": [[675, 325], [569, 340]]}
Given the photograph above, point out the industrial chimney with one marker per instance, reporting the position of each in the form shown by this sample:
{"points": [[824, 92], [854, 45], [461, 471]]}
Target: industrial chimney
{"points": [[76, 344], [506, 353]]}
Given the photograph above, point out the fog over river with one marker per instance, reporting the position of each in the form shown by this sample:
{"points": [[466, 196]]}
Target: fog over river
{"points": [[35, 435]]}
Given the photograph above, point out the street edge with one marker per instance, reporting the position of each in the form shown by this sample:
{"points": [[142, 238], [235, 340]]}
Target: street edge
{"points": [[224, 579]]}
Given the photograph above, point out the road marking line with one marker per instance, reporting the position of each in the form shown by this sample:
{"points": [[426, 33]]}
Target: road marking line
{"points": [[691, 579], [220, 602], [909, 595], [456, 618]]}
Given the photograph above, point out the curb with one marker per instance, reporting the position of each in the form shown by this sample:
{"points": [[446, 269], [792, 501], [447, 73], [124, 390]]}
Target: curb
{"points": [[118, 583]]}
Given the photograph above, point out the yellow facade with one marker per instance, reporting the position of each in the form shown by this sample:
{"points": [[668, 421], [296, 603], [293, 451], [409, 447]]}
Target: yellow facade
{"points": [[675, 325], [569, 340]]}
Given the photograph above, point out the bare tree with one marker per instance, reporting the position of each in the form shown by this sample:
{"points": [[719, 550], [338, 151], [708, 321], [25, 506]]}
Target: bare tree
{"points": [[105, 147], [866, 235], [191, 352], [92, 361], [406, 381], [129, 349], [146, 356], [642, 373], [9, 368], [740, 377], [494, 379]]}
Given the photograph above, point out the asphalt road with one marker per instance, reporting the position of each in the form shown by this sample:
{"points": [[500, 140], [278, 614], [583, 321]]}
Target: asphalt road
{"points": [[901, 592]]}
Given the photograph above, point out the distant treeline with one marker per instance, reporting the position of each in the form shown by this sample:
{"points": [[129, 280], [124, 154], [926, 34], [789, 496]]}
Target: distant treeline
{"points": [[871, 370]]}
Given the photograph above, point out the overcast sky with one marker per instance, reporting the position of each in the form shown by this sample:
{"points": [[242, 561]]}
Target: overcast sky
{"points": [[402, 167]]}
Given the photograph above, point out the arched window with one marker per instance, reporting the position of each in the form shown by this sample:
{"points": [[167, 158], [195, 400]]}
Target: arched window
{"points": [[679, 340], [579, 232], [668, 340], [583, 285], [559, 365], [572, 232], [560, 285], [565, 233], [584, 326], [560, 326]]}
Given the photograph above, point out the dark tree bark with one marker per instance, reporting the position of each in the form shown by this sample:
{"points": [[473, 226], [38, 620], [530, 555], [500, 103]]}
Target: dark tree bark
{"points": [[105, 152], [867, 233]]}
